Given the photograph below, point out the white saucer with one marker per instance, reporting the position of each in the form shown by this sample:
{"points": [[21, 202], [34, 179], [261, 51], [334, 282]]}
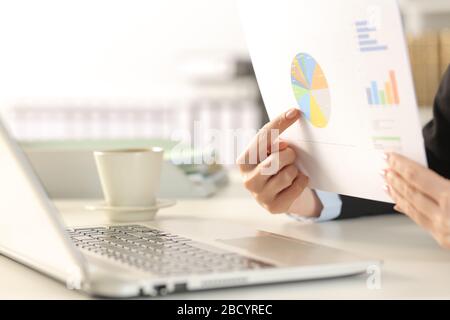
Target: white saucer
{"points": [[126, 214]]}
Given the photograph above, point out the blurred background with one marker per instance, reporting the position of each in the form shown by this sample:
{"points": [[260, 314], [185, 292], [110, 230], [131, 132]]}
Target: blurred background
{"points": [[85, 74], [128, 69], [102, 69]]}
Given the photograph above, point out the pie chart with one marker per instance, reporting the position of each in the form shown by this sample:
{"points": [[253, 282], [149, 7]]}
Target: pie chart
{"points": [[311, 90]]}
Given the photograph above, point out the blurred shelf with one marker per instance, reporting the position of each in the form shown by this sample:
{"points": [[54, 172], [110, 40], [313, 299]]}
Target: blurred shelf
{"points": [[428, 6], [425, 15]]}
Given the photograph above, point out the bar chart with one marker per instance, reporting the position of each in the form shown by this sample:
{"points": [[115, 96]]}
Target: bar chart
{"points": [[366, 40], [385, 94]]}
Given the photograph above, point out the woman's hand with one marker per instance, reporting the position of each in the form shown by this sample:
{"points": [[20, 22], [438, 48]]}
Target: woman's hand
{"points": [[269, 172], [421, 194]]}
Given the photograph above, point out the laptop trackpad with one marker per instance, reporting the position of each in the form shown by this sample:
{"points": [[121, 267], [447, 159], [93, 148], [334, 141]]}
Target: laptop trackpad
{"points": [[285, 251]]}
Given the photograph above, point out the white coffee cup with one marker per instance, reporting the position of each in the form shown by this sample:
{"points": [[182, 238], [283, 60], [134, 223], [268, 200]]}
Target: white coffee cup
{"points": [[130, 178]]}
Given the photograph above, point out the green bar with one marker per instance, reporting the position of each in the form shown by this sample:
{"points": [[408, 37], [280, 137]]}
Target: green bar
{"points": [[386, 138], [382, 98]]}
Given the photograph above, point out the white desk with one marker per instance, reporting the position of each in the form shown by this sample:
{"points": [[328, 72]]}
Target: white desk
{"points": [[415, 267]]}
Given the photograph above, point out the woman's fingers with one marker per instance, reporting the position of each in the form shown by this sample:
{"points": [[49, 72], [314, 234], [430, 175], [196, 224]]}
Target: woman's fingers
{"points": [[409, 192], [437, 224], [422, 195], [256, 179], [421, 178], [278, 125], [404, 206], [275, 175], [276, 161], [279, 182], [263, 143], [282, 144], [285, 198]]}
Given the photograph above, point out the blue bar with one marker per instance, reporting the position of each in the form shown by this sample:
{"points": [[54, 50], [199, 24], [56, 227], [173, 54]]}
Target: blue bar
{"points": [[361, 23], [364, 36], [368, 42], [365, 30], [375, 92], [369, 96], [379, 48]]}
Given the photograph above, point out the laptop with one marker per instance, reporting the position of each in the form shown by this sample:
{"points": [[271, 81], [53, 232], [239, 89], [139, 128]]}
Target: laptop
{"points": [[131, 260]]}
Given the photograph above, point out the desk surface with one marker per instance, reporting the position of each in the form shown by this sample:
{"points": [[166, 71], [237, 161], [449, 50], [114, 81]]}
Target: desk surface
{"points": [[414, 266]]}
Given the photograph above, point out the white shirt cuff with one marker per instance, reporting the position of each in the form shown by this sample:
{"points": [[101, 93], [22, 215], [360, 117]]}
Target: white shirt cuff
{"points": [[332, 205]]}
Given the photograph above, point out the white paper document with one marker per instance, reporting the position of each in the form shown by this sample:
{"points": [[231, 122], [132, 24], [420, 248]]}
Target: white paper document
{"points": [[346, 66]]}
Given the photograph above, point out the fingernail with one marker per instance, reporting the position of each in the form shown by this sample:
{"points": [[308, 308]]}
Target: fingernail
{"points": [[292, 114], [283, 144], [386, 156], [386, 189], [383, 173], [389, 175]]}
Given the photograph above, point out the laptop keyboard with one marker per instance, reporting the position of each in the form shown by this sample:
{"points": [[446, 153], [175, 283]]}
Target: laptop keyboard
{"points": [[158, 252]]}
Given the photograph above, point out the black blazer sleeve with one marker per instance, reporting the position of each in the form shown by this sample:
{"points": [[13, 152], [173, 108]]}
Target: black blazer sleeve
{"points": [[437, 145], [437, 132]]}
